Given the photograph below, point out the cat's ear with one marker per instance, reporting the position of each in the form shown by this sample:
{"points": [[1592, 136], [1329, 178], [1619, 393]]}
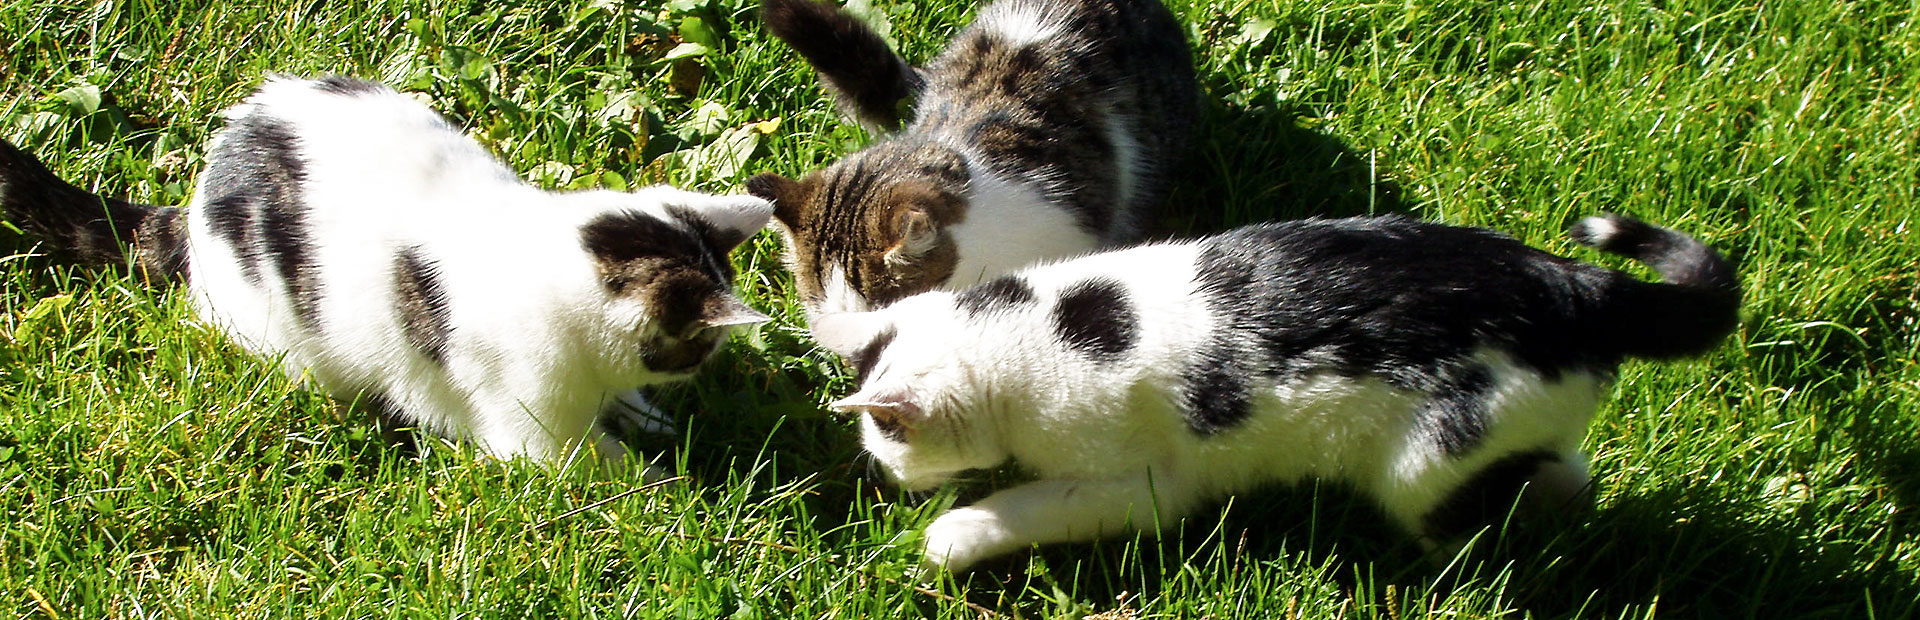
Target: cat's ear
{"points": [[893, 407], [918, 235], [789, 197], [847, 333], [727, 221], [728, 310]]}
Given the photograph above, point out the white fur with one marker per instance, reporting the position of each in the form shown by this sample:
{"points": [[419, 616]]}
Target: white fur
{"points": [[1019, 24], [839, 295], [537, 347], [1010, 225], [1107, 442]]}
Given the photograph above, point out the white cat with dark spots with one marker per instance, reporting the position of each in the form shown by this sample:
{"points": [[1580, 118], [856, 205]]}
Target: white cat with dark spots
{"points": [[1437, 370], [351, 233]]}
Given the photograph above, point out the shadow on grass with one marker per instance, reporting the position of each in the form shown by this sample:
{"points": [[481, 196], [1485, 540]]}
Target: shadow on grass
{"points": [[1688, 552], [1258, 163]]}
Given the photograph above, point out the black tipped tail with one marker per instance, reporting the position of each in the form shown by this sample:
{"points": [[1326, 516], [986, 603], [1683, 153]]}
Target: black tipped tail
{"points": [[86, 227], [1690, 312], [869, 81]]}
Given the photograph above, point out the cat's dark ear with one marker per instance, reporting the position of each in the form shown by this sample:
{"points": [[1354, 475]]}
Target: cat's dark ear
{"points": [[847, 333], [917, 235], [789, 197], [728, 310]]}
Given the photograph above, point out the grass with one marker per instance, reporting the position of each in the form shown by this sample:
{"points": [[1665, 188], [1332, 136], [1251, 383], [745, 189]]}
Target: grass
{"points": [[148, 469]]}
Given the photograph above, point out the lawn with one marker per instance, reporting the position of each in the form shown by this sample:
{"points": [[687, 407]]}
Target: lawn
{"points": [[149, 469]]}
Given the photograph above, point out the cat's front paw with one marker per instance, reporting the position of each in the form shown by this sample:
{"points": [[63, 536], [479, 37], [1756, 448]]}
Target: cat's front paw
{"points": [[959, 538]]}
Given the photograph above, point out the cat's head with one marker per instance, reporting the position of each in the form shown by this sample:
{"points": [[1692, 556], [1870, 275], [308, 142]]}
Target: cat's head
{"points": [[872, 228], [927, 409], [661, 257]]}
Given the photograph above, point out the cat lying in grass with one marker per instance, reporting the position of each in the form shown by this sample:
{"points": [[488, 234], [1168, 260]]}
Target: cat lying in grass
{"points": [[350, 232], [1438, 370]]}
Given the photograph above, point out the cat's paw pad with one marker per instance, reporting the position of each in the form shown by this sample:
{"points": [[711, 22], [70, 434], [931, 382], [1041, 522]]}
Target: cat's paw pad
{"points": [[959, 538], [629, 413]]}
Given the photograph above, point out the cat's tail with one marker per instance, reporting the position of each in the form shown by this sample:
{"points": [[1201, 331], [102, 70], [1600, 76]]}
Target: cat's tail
{"points": [[1688, 313], [86, 227], [870, 82]]}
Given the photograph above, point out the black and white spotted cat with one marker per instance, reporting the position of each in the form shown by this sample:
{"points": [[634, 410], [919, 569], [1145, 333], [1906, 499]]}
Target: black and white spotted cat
{"points": [[1433, 368], [350, 232], [1045, 130]]}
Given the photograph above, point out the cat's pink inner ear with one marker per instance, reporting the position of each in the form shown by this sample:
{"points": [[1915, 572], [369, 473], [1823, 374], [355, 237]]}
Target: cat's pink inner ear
{"points": [[845, 333], [917, 236]]}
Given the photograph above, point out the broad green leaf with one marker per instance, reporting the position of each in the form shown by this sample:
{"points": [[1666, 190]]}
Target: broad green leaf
{"points": [[81, 100]]}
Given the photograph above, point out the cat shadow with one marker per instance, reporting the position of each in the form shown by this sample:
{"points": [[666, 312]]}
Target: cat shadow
{"points": [[1258, 162], [1689, 552]]}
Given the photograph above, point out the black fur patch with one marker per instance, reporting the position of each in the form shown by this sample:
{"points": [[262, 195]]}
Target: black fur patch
{"points": [[1455, 415], [1396, 298], [718, 240], [285, 243], [1215, 395], [674, 272], [349, 86], [231, 219], [253, 187], [422, 303], [1485, 498], [864, 359], [1002, 293], [1096, 318], [632, 247]]}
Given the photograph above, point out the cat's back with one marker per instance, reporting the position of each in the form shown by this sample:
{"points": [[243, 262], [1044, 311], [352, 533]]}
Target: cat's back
{"points": [[1394, 297], [352, 133]]}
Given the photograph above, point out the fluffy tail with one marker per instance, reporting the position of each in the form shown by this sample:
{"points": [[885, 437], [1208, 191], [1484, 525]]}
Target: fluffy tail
{"points": [[86, 227], [1687, 314], [869, 81]]}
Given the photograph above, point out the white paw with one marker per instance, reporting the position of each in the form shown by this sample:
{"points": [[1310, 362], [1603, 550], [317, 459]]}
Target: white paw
{"points": [[961, 537], [630, 412]]}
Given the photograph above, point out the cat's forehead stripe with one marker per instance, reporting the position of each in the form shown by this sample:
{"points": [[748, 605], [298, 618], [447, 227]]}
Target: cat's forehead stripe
{"points": [[1095, 318]]}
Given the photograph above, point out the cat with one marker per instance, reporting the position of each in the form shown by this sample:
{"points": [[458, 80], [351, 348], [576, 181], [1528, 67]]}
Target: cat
{"points": [[1435, 369], [350, 232], [1047, 129]]}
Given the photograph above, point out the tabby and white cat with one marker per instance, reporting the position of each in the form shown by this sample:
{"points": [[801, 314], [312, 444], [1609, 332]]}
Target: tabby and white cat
{"points": [[352, 233], [1045, 130], [1435, 369]]}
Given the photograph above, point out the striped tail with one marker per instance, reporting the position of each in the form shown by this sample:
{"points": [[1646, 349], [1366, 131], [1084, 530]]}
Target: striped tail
{"points": [[869, 81], [1696, 305], [86, 227]]}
